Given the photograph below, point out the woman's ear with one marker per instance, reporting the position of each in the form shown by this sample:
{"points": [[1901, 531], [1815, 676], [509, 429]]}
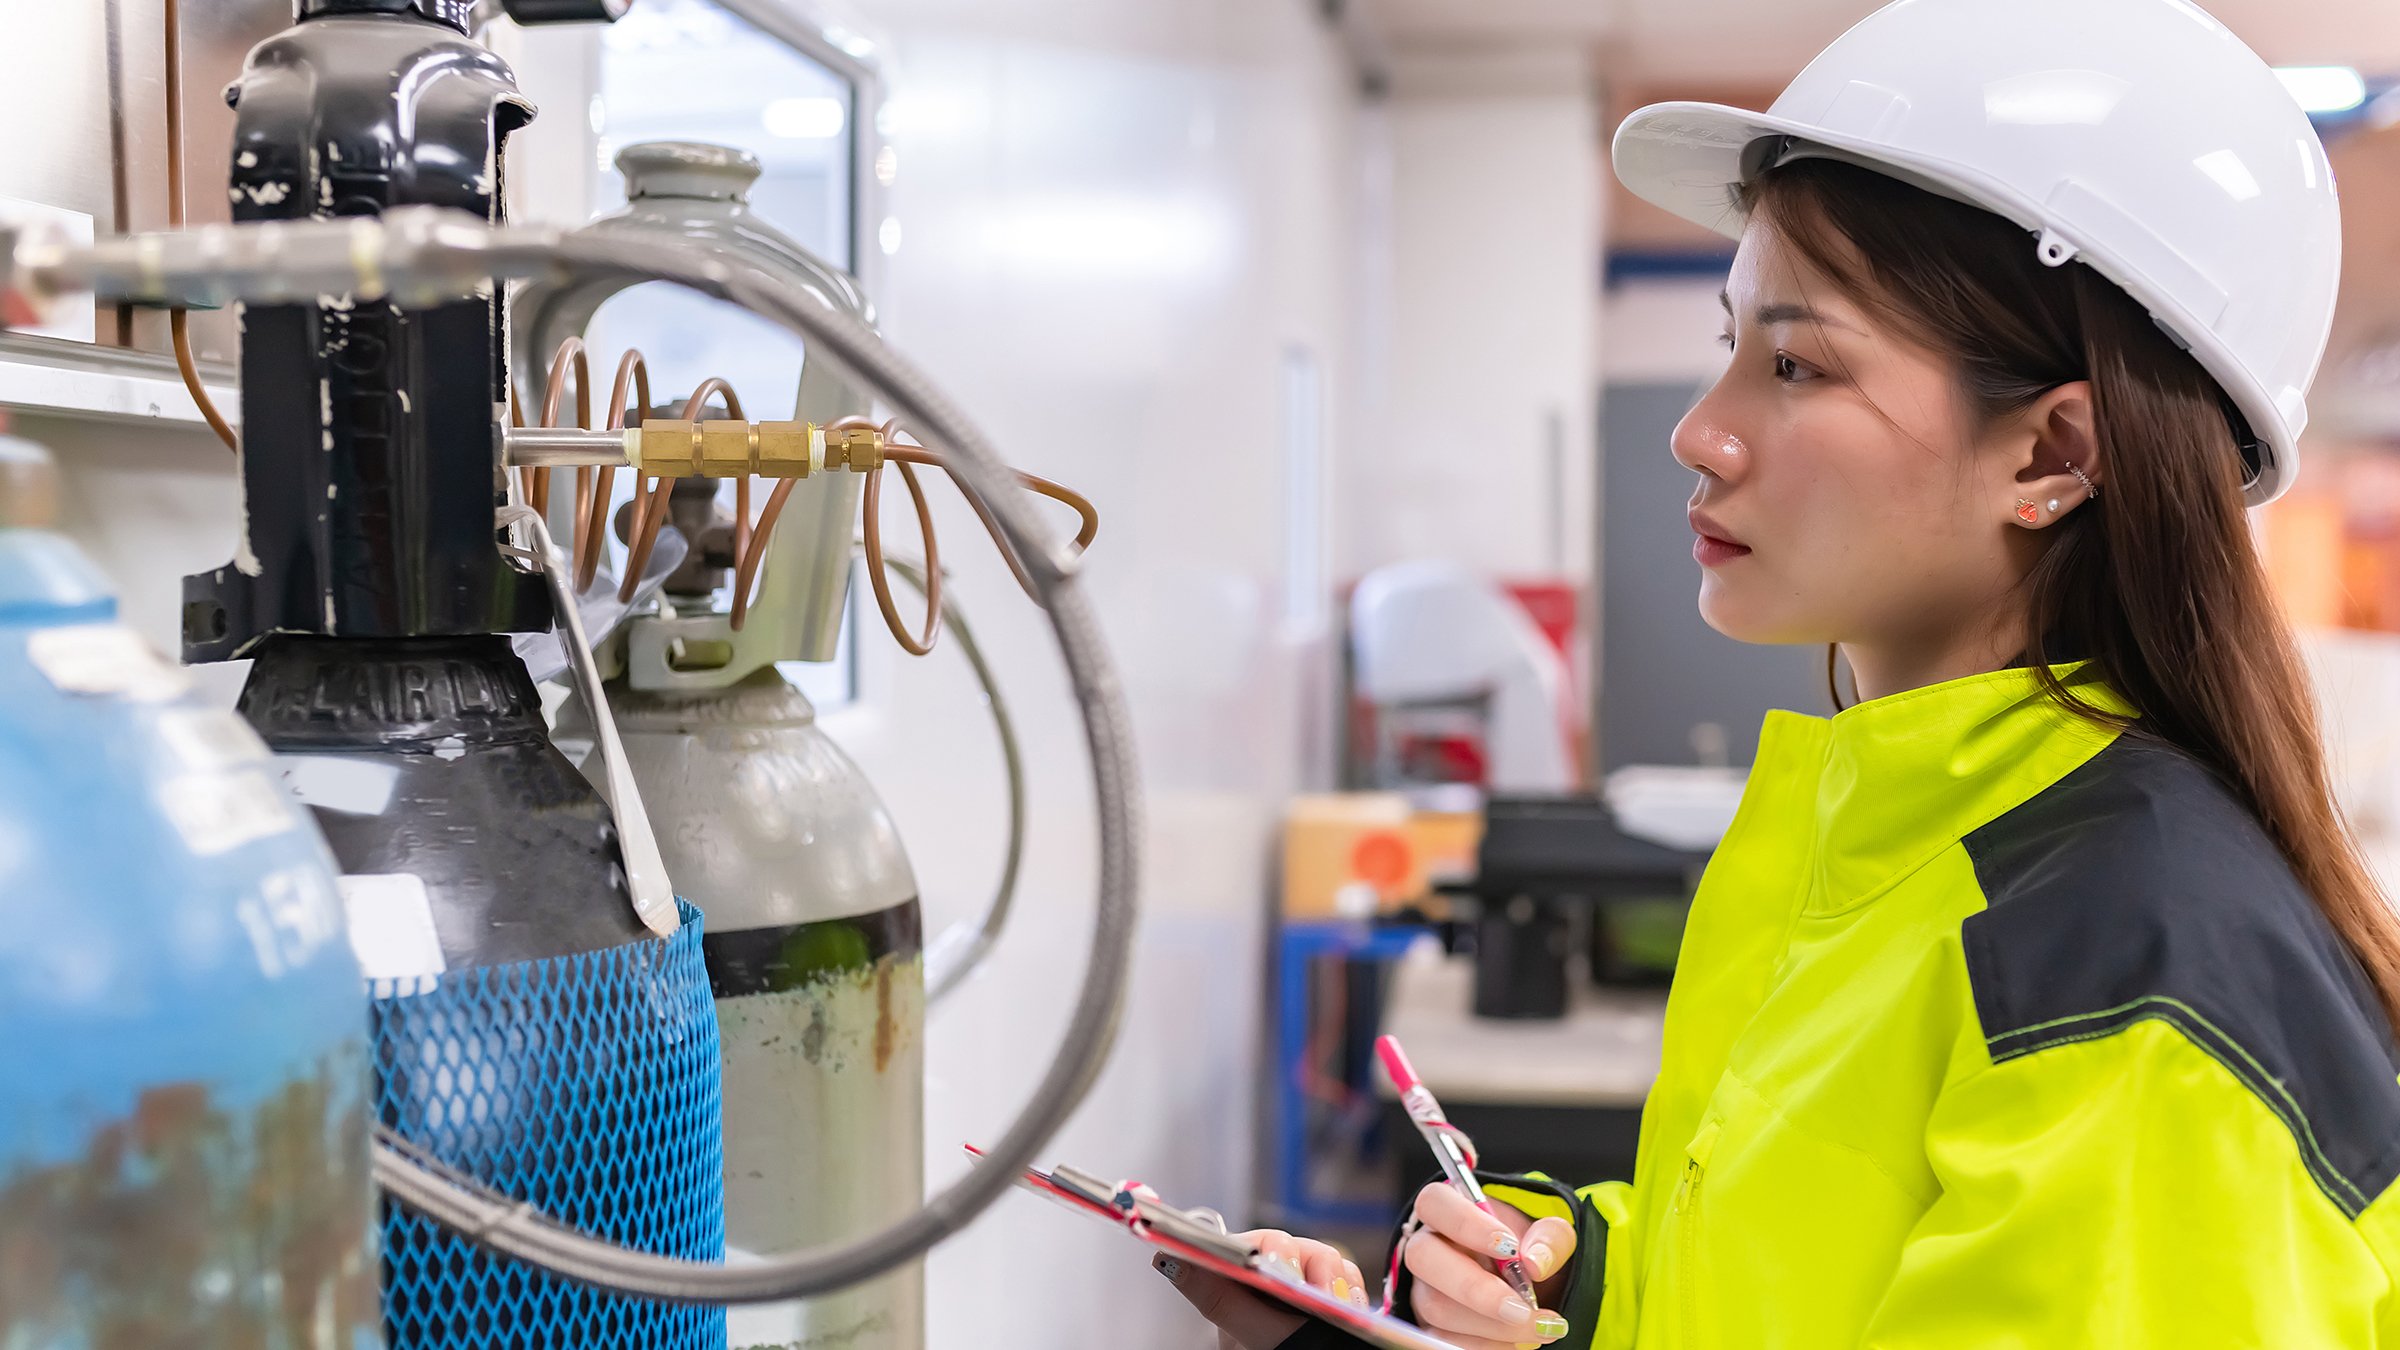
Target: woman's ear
{"points": [[2060, 471]]}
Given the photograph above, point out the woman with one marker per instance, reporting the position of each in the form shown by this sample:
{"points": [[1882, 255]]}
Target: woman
{"points": [[2040, 998]]}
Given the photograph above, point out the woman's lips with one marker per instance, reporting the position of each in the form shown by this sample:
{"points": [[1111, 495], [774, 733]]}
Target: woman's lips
{"points": [[1710, 551], [1711, 548]]}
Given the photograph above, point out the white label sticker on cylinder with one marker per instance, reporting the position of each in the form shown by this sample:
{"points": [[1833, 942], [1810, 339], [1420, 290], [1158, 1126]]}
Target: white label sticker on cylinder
{"points": [[210, 738], [391, 926], [358, 787], [105, 659], [218, 812]]}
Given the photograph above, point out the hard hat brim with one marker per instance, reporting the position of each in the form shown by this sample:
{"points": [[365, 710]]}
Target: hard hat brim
{"points": [[1691, 159]]}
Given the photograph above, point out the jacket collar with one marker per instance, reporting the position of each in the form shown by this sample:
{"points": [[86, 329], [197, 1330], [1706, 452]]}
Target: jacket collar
{"points": [[1907, 776]]}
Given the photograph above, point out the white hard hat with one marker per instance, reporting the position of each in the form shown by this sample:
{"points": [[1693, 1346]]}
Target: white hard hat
{"points": [[2137, 136]]}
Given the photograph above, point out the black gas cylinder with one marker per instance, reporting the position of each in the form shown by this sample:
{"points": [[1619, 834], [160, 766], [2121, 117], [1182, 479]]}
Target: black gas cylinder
{"points": [[429, 757]]}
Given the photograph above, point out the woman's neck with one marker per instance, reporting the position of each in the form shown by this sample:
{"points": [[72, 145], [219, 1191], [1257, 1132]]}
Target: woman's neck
{"points": [[1883, 669]]}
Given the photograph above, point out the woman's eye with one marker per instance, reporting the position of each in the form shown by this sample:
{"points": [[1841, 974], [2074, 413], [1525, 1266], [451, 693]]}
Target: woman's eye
{"points": [[1725, 340], [1790, 371]]}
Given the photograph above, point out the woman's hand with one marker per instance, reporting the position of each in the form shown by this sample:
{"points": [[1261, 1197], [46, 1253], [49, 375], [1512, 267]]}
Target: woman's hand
{"points": [[1458, 1296], [1249, 1321]]}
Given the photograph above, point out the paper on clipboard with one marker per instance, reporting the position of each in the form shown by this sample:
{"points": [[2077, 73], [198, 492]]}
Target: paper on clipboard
{"points": [[1188, 1236]]}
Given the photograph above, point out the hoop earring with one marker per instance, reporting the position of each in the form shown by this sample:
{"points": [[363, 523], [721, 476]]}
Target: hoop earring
{"points": [[2081, 477]]}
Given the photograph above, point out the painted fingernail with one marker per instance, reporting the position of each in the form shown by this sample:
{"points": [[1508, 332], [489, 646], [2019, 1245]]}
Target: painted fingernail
{"points": [[1551, 1325], [1504, 1246], [1171, 1268], [1292, 1268], [1543, 1260], [1513, 1309], [1358, 1296], [1341, 1288]]}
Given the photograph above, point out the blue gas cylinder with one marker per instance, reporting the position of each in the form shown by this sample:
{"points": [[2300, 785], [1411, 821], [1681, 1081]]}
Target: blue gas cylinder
{"points": [[184, 1076]]}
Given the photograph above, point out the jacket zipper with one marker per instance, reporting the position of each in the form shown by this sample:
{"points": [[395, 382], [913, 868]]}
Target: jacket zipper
{"points": [[1687, 1201]]}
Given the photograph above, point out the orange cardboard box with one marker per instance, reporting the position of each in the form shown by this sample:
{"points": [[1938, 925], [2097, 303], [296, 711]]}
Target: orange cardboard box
{"points": [[1370, 844]]}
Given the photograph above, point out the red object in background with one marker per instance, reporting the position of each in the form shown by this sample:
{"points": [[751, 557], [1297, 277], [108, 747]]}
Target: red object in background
{"points": [[1429, 746], [1382, 859], [1445, 759], [1557, 609]]}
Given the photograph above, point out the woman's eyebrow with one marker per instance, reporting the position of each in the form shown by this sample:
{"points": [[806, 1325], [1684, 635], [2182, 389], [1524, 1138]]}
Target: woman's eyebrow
{"points": [[1787, 312]]}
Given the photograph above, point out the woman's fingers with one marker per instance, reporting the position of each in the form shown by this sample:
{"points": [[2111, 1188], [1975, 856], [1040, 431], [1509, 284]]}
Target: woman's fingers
{"points": [[1246, 1321], [1438, 1311], [1467, 1280], [1314, 1263], [1548, 1246], [1441, 1208]]}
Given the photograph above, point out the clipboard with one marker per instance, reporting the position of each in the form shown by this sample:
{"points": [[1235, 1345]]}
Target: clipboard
{"points": [[1199, 1237]]}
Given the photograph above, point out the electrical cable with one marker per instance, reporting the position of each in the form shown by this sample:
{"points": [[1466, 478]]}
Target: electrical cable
{"points": [[179, 333]]}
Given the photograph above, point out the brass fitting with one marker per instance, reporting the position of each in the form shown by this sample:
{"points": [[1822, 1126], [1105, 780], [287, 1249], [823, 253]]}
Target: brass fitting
{"points": [[669, 448], [726, 450], [858, 449], [783, 449]]}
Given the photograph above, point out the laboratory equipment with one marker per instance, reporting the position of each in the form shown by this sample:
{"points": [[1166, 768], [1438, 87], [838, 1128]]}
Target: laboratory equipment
{"points": [[1457, 683]]}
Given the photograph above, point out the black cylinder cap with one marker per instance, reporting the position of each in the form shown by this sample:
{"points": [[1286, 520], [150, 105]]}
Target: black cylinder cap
{"points": [[460, 14], [310, 9], [566, 11]]}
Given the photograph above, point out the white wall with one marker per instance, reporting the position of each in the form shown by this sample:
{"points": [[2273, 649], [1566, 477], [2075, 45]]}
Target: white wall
{"points": [[1495, 261], [1115, 219]]}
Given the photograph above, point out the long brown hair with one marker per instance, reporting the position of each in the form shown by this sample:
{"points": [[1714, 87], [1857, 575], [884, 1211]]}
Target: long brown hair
{"points": [[2157, 583]]}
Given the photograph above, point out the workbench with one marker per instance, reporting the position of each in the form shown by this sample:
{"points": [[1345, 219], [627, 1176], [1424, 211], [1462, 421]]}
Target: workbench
{"points": [[1562, 1097]]}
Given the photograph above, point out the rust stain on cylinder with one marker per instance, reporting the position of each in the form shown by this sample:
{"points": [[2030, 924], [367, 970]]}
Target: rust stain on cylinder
{"points": [[887, 1031], [190, 1225]]}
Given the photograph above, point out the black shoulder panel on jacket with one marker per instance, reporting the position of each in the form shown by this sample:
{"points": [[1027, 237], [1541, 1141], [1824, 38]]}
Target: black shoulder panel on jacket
{"points": [[2140, 887]]}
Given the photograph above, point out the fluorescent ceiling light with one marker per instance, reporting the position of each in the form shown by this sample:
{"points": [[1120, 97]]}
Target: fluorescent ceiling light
{"points": [[858, 45], [2323, 89], [805, 119]]}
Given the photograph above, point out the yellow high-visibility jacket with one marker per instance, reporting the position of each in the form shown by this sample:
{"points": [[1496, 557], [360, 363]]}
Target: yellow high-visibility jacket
{"points": [[1993, 1028]]}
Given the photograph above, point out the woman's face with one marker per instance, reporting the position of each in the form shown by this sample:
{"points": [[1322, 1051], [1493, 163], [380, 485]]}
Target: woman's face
{"points": [[1842, 496]]}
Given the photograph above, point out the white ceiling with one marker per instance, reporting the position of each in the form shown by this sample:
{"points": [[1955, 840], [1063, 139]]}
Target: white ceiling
{"points": [[1742, 41]]}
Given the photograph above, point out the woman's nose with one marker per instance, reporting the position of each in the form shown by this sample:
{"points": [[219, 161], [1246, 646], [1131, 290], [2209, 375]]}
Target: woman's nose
{"points": [[1705, 444]]}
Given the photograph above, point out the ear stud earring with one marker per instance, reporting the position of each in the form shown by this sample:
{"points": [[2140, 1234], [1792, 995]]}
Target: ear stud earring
{"points": [[2054, 506], [2027, 513]]}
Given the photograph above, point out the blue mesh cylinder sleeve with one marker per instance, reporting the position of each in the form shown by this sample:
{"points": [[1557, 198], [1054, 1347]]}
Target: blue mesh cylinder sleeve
{"points": [[586, 1085]]}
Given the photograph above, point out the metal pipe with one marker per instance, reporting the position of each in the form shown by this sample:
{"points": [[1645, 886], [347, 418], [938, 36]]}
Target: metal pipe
{"points": [[551, 447]]}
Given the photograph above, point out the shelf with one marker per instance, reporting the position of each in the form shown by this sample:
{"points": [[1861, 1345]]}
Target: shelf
{"points": [[75, 379]]}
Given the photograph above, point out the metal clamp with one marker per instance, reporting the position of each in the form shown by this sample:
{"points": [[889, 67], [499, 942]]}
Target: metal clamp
{"points": [[645, 868]]}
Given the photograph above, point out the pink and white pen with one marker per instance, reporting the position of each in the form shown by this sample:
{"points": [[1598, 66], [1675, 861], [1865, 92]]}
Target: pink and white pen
{"points": [[1449, 1144]]}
